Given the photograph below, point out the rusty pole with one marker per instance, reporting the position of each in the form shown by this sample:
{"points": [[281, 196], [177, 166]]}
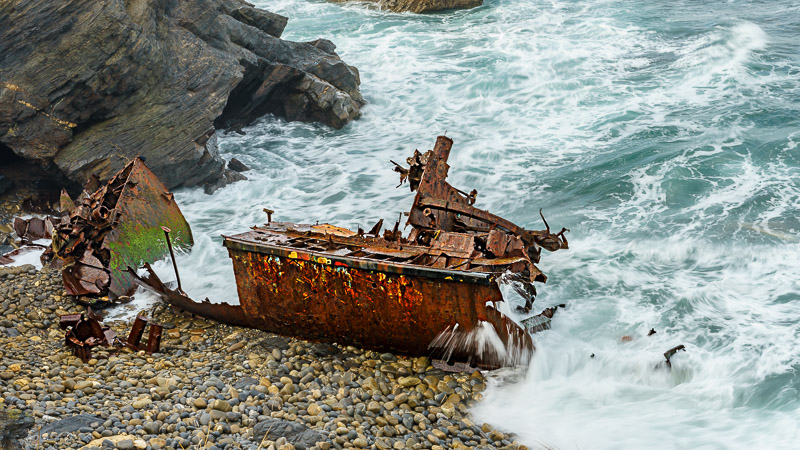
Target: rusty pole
{"points": [[172, 255]]}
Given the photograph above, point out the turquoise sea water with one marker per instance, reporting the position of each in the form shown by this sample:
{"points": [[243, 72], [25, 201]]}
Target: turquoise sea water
{"points": [[663, 134]]}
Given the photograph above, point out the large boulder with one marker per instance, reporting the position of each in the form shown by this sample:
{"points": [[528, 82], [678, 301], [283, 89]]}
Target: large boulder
{"points": [[295, 433], [424, 6], [85, 85]]}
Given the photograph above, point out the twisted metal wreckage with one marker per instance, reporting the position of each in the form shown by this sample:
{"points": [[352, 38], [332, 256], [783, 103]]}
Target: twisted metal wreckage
{"points": [[115, 226], [434, 291]]}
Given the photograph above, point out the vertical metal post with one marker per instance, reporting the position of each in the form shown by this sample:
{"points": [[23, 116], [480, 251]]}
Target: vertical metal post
{"points": [[172, 255], [136, 332], [154, 339]]}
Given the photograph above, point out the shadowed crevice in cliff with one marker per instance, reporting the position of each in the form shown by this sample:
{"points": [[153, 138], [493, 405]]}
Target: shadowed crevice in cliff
{"points": [[86, 85], [36, 186]]}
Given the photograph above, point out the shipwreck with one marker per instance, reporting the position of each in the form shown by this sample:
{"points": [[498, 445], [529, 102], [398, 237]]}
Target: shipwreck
{"points": [[434, 291]]}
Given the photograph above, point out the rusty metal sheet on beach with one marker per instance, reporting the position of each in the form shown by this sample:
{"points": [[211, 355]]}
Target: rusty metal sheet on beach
{"points": [[117, 226]]}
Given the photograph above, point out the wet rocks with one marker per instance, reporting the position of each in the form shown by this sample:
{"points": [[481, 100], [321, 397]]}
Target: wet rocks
{"points": [[237, 166], [88, 85], [13, 427], [299, 435]]}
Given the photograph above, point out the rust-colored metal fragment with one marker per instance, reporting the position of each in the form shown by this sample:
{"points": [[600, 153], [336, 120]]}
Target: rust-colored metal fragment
{"points": [[136, 332], [117, 226], [35, 228], [85, 332], [541, 321], [671, 352], [221, 312], [69, 320], [153, 339]]}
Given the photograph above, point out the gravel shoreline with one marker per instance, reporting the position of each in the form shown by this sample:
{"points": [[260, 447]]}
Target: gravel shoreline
{"points": [[216, 386]]}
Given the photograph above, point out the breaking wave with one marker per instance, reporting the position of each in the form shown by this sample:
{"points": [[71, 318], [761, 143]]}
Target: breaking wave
{"points": [[663, 134]]}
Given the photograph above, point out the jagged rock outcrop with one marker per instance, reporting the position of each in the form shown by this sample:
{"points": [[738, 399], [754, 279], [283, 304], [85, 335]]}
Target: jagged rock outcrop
{"points": [[85, 85], [423, 6]]}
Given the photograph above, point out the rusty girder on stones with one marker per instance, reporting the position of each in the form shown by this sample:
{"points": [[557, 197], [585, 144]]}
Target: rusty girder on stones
{"points": [[84, 332]]}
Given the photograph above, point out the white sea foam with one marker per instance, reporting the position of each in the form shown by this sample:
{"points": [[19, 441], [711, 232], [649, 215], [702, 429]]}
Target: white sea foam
{"points": [[665, 137]]}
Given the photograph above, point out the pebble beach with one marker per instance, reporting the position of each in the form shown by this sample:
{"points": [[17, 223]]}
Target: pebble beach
{"points": [[214, 386]]}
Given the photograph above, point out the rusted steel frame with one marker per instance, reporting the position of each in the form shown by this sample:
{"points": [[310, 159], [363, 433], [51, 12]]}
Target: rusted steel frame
{"points": [[387, 311], [221, 312], [232, 242], [471, 211]]}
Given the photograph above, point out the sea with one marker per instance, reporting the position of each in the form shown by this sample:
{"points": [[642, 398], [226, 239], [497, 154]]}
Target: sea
{"points": [[663, 134]]}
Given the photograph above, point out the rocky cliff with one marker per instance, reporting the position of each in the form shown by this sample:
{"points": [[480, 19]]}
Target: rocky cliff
{"points": [[87, 84]]}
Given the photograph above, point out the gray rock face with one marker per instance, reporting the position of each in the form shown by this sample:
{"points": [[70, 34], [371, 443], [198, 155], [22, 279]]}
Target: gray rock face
{"points": [[85, 85], [71, 424], [12, 429], [298, 434]]}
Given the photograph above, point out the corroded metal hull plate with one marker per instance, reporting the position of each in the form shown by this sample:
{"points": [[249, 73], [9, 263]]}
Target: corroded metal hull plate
{"points": [[318, 297]]}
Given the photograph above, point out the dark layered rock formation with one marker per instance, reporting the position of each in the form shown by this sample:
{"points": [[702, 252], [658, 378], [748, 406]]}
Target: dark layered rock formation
{"points": [[424, 6], [85, 85]]}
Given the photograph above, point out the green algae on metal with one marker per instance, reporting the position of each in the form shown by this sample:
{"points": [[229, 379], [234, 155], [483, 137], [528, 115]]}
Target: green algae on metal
{"points": [[117, 226]]}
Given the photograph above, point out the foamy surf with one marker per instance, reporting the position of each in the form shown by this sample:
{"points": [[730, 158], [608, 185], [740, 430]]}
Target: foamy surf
{"points": [[663, 135]]}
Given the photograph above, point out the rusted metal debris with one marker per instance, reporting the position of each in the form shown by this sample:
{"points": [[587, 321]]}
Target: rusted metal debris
{"points": [[117, 226], [28, 231], [35, 228], [671, 352], [137, 331], [433, 291], [221, 312], [84, 332], [541, 321]]}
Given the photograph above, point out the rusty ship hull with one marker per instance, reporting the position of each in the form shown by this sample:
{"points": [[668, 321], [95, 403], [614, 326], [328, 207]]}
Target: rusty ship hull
{"points": [[431, 292], [359, 301]]}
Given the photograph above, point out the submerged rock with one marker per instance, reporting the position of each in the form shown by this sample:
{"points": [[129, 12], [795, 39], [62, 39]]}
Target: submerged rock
{"points": [[237, 166], [423, 6], [87, 85]]}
